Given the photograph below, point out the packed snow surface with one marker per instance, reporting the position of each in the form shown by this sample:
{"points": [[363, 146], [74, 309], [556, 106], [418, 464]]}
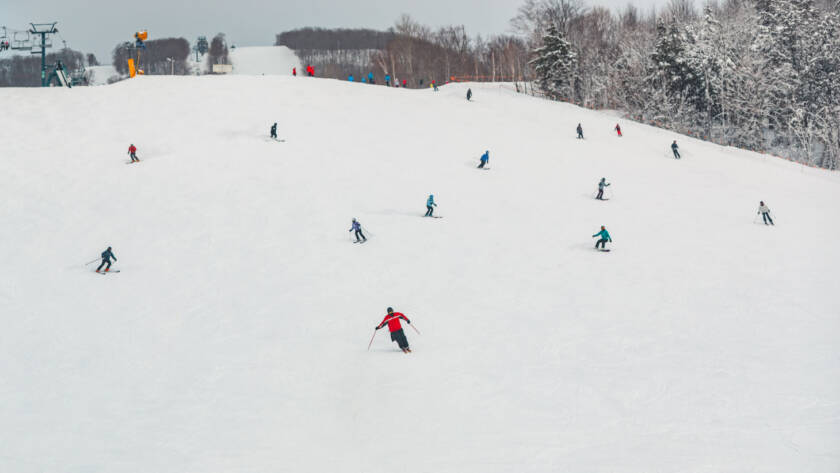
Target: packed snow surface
{"points": [[234, 339], [264, 60], [99, 75]]}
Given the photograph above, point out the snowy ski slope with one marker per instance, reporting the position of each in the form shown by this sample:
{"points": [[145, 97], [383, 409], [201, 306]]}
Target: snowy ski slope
{"points": [[234, 338], [268, 60]]}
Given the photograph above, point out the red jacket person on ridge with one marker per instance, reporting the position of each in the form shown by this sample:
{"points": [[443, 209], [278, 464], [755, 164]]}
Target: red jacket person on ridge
{"points": [[394, 326]]}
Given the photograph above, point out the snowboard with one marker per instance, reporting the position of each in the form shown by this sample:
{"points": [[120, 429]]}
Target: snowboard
{"points": [[605, 250], [363, 241]]}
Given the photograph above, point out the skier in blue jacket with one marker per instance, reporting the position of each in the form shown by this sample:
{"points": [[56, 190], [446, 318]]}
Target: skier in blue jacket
{"points": [[484, 158], [430, 204], [106, 260], [358, 228], [387, 80], [370, 77], [676, 150], [605, 237]]}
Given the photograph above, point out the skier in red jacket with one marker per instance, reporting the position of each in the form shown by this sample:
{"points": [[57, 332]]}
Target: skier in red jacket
{"points": [[132, 151], [310, 70], [618, 129], [397, 334]]}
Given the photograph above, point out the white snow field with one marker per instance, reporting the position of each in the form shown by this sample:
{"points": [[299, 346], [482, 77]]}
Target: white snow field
{"points": [[264, 60], [234, 338]]}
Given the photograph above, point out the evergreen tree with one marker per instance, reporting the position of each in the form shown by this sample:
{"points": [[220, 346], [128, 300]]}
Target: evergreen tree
{"points": [[554, 65]]}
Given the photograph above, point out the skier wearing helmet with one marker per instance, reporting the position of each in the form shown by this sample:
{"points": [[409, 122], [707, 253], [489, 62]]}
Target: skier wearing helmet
{"points": [[430, 205], [397, 334], [605, 237], [132, 151], [358, 228], [106, 260]]}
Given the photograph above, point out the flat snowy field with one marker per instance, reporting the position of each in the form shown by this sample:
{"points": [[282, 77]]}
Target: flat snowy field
{"points": [[234, 339]]}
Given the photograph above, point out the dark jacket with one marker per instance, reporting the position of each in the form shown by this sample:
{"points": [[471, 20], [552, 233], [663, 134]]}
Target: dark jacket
{"points": [[107, 255]]}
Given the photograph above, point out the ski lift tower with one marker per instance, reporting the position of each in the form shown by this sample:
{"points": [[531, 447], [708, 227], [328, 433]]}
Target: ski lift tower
{"points": [[43, 29]]}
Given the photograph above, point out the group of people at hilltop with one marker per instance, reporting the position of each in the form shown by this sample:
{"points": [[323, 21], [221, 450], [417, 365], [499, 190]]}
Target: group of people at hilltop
{"points": [[310, 71]]}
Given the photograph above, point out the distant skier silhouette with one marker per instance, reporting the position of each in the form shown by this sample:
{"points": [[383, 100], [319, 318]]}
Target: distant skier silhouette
{"points": [[601, 185], [106, 260], [764, 210]]}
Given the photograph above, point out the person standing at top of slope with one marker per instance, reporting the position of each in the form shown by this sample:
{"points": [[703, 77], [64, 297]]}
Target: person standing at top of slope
{"points": [[434, 86], [430, 204], [387, 80], [601, 185], [274, 130], [310, 70], [675, 149], [605, 237], [106, 260], [764, 210], [469, 95], [132, 151], [618, 129], [294, 72], [370, 77], [484, 158], [357, 227], [397, 334], [405, 83], [580, 131]]}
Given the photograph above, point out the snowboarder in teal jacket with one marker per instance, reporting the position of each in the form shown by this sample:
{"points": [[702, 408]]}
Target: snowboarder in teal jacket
{"points": [[430, 205], [605, 237]]}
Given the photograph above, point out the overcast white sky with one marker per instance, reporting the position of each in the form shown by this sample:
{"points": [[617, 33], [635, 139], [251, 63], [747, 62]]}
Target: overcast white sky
{"points": [[98, 25]]}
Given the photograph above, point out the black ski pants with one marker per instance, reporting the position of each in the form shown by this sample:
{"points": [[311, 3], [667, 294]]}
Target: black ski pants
{"points": [[429, 210], [482, 164], [580, 135], [676, 154], [601, 242], [360, 234], [600, 194], [134, 157], [399, 337], [104, 262], [766, 217]]}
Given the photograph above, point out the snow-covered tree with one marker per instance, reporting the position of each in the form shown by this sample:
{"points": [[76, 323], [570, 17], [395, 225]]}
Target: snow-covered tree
{"points": [[554, 65]]}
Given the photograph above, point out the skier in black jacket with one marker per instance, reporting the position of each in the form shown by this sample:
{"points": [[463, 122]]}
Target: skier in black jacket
{"points": [[106, 259], [580, 131], [274, 131]]}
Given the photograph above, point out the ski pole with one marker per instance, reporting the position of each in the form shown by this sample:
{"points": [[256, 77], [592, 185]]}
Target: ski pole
{"points": [[371, 339], [415, 328], [94, 261]]}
